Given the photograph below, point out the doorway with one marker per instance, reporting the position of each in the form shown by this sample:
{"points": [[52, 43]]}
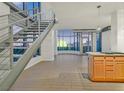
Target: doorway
{"points": [[87, 41]]}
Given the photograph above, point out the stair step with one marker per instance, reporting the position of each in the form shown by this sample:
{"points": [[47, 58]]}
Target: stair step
{"points": [[40, 26], [25, 37], [32, 31], [17, 55], [20, 47], [37, 28], [27, 33], [23, 41]]}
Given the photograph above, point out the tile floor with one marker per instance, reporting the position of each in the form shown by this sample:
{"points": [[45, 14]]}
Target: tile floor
{"points": [[64, 74]]}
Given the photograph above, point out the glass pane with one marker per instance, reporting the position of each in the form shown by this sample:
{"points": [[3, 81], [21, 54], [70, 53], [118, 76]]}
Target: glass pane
{"points": [[30, 7], [68, 40], [19, 5]]}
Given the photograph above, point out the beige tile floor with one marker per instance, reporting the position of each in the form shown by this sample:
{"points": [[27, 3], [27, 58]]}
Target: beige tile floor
{"points": [[64, 74]]}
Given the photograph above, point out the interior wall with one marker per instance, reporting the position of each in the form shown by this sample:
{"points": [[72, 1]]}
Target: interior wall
{"points": [[46, 10], [47, 47], [114, 31], [117, 31], [106, 41]]}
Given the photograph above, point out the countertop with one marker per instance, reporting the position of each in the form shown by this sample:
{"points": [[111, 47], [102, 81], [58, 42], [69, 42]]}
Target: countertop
{"points": [[105, 54]]}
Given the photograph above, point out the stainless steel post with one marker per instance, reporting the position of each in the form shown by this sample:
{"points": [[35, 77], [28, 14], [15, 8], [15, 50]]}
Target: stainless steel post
{"points": [[11, 46], [38, 22]]}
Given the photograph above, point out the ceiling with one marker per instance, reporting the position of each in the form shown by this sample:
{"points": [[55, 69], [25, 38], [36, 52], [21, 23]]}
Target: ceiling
{"points": [[82, 15]]}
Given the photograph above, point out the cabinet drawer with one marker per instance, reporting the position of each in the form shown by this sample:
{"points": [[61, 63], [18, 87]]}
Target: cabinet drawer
{"points": [[98, 61], [119, 59], [110, 59], [109, 68], [109, 75], [98, 58]]}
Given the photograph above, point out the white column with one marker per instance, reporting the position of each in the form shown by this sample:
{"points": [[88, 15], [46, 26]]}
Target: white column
{"points": [[94, 42], [55, 40], [117, 31], [81, 44]]}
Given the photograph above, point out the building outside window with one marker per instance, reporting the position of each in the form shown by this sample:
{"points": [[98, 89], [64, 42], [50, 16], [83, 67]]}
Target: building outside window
{"points": [[98, 41], [28, 6], [68, 40]]}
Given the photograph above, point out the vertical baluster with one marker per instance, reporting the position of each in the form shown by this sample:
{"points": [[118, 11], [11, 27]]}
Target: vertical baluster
{"points": [[11, 46], [38, 21]]}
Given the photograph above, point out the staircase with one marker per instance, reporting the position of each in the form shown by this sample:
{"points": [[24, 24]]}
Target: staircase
{"points": [[17, 49], [25, 38]]}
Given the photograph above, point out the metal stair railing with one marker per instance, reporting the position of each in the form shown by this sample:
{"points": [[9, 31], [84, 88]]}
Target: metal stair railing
{"points": [[14, 16], [8, 42], [12, 71]]}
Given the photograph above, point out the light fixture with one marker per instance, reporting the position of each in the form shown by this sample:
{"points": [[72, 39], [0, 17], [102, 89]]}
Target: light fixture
{"points": [[98, 26]]}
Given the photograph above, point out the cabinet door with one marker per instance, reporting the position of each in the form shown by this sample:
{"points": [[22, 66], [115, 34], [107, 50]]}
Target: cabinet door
{"points": [[99, 69], [109, 68], [119, 68]]}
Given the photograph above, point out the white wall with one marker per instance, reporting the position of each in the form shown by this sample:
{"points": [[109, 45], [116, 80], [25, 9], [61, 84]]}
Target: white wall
{"points": [[4, 10], [114, 31], [117, 31], [106, 41], [47, 47], [120, 31], [46, 11]]}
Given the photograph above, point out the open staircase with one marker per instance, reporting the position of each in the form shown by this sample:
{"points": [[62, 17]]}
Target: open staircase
{"points": [[25, 38], [17, 49]]}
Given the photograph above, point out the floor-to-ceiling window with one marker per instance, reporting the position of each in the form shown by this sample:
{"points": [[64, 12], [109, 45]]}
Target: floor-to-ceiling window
{"points": [[86, 41], [98, 41], [28, 6], [20, 5], [68, 40]]}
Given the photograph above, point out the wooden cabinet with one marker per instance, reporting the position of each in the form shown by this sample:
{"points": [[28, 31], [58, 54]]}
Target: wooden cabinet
{"points": [[106, 68], [119, 69], [109, 68], [98, 68]]}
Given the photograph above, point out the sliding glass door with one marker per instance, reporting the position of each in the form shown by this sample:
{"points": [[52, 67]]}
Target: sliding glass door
{"points": [[87, 42], [70, 40]]}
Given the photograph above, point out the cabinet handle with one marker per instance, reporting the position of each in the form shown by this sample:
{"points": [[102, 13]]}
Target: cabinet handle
{"points": [[120, 63], [108, 60], [109, 70], [98, 60], [109, 65], [119, 60]]}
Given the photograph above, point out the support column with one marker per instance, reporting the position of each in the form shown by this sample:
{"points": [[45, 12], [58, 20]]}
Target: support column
{"points": [[94, 42], [117, 31], [81, 44]]}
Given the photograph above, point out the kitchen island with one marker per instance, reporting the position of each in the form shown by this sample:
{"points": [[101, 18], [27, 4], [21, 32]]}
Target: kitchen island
{"points": [[106, 66]]}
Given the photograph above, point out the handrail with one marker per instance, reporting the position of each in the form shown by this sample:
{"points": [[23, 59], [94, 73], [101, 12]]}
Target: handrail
{"points": [[22, 11], [14, 70], [23, 61], [18, 22], [18, 12], [4, 15]]}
